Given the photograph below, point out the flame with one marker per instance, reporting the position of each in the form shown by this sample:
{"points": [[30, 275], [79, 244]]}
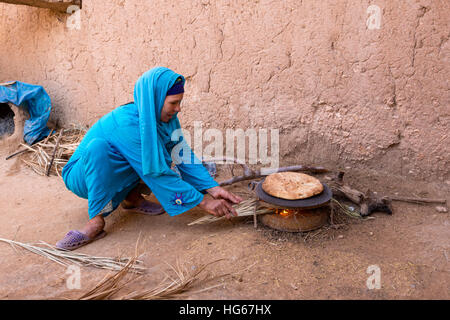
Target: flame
{"points": [[285, 212]]}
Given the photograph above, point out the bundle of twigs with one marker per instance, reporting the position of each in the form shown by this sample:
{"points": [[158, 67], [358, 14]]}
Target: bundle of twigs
{"points": [[50, 155], [245, 208], [67, 258]]}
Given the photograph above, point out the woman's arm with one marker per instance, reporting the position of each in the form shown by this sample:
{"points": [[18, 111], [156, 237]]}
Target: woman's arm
{"points": [[190, 167], [221, 193]]}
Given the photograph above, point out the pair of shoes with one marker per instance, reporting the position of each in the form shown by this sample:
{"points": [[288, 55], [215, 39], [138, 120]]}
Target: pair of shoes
{"points": [[75, 239], [146, 207]]}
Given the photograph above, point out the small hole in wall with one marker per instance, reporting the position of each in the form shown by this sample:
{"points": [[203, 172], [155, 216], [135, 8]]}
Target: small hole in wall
{"points": [[6, 120]]}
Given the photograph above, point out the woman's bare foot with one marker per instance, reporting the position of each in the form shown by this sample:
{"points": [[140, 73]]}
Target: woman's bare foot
{"points": [[94, 226]]}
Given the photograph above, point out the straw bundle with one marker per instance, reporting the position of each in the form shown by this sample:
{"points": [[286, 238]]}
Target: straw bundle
{"points": [[245, 208], [67, 258], [50, 155], [170, 287], [110, 285]]}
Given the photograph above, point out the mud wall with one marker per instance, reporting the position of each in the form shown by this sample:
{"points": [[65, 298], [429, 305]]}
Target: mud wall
{"points": [[346, 86]]}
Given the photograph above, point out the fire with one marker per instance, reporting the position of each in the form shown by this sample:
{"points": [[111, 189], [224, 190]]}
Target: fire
{"points": [[285, 212]]}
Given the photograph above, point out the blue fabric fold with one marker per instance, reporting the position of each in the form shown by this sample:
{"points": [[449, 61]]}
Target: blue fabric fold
{"points": [[36, 102]]}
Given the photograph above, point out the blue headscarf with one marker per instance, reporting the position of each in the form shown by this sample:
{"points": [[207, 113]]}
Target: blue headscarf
{"points": [[149, 94]]}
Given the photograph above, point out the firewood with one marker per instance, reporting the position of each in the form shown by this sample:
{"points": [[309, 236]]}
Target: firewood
{"points": [[416, 200], [54, 152], [369, 202]]}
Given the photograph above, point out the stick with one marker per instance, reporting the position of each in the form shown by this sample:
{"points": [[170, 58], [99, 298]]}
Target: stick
{"points": [[16, 153], [54, 152], [255, 223], [417, 200], [46, 139]]}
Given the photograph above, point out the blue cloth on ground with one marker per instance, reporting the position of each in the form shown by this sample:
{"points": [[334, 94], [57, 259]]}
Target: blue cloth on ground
{"points": [[36, 102], [132, 143]]}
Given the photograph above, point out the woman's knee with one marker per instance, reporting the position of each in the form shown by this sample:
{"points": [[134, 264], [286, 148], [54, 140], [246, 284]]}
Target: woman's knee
{"points": [[97, 144], [98, 148], [96, 152]]}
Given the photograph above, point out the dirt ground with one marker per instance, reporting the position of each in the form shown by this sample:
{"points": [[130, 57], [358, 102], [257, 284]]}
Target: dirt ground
{"points": [[411, 247]]}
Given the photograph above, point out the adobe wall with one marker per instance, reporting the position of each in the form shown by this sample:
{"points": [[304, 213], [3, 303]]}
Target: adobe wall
{"points": [[342, 93]]}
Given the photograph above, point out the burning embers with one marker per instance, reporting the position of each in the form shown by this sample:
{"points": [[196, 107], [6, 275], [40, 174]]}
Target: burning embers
{"points": [[286, 212], [296, 220]]}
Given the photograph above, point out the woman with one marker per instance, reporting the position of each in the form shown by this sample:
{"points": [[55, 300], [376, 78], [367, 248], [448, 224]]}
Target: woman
{"points": [[133, 143]]}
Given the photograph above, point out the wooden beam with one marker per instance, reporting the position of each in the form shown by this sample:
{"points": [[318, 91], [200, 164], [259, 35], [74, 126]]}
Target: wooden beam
{"points": [[57, 5]]}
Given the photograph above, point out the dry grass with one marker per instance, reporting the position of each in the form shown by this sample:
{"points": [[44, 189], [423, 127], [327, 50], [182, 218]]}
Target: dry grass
{"points": [[67, 258], [244, 209], [343, 208], [111, 284], [171, 287], [51, 154]]}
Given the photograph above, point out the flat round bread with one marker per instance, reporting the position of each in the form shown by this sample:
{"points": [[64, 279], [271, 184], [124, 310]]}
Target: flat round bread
{"points": [[291, 185]]}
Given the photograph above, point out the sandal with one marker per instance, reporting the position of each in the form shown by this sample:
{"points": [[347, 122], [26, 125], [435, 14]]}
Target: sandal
{"points": [[75, 239], [147, 207]]}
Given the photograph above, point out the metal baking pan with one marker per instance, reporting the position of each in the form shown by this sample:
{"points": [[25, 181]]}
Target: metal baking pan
{"points": [[309, 203]]}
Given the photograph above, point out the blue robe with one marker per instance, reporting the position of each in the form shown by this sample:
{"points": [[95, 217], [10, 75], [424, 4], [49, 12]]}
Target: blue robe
{"points": [[131, 143]]}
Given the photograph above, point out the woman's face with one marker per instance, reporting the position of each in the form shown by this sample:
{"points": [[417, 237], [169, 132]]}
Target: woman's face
{"points": [[171, 106]]}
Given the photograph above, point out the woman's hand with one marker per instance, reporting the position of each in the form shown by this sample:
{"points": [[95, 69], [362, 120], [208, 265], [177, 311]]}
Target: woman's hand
{"points": [[218, 207], [221, 193]]}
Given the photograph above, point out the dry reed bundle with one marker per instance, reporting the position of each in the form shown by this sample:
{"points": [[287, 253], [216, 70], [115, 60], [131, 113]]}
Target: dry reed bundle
{"points": [[67, 258], [172, 287], [110, 285], [50, 155], [243, 209]]}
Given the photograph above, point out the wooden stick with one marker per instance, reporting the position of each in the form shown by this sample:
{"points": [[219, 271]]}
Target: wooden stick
{"points": [[54, 152], [255, 221], [46, 139], [16, 153], [28, 147], [417, 200]]}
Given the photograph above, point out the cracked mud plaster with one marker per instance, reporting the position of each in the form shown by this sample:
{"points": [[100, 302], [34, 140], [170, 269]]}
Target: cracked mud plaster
{"points": [[341, 94]]}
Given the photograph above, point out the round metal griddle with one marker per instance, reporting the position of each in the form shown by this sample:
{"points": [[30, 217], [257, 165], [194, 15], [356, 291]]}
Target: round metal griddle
{"points": [[309, 203]]}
